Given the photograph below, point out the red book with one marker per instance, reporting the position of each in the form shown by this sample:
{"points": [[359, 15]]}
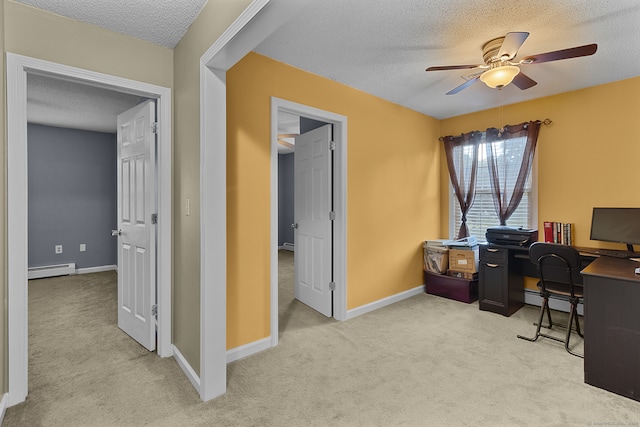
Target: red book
{"points": [[548, 231]]}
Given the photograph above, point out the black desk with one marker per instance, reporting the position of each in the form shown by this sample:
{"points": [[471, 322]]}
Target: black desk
{"points": [[502, 269], [612, 326]]}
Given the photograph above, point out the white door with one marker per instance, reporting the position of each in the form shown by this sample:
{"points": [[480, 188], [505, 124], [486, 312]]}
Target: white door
{"points": [[136, 232], [312, 207]]}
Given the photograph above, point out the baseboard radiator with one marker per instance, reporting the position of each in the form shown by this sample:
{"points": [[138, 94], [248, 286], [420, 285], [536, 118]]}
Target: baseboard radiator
{"points": [[288, 246], [52, 270]]}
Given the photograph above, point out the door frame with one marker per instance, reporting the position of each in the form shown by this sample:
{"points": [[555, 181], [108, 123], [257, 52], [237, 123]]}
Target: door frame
{"points": [[339, 173], [18, 67], [254, 25]]}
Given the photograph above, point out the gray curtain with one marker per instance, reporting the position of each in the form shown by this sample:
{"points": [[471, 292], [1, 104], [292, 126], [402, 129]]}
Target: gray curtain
{"points": [[503, 159], [462, 160]]}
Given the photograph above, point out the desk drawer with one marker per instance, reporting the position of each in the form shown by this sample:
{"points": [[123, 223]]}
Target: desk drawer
{"points": [[495, 255]]}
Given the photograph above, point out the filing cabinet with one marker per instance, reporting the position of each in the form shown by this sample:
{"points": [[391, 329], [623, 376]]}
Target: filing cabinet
{"points": [[500, 280]]}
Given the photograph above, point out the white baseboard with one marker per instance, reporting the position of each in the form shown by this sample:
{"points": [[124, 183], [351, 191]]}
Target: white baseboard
{"points": [[186, 368], [287, 247], [98, 269], [248, 349], [384, 302], [3, 406], [533, 298], [265, 343]]}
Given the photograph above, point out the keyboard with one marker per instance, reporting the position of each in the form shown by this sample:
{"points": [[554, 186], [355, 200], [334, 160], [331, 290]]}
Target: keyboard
{"points": [[617, 254]]}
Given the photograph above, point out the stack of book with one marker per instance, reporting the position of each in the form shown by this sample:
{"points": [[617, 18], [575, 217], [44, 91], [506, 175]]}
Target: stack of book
{"points": [[558, 232]]}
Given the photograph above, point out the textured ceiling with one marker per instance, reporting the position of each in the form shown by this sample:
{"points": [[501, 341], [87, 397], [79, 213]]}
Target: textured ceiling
{"points": [[383, 47], [61, 103], [162, 22]]}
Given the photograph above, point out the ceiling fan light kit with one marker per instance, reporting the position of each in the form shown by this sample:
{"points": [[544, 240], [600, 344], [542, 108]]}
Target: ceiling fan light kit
{"points": [[498, 55], [499, 76]]}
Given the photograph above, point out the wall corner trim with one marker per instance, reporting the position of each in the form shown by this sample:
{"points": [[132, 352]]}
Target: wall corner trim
{"points": [[186, 368], [3, 406]]}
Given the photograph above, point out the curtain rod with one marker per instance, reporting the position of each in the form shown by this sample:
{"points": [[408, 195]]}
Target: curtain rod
{"points": [[545, 122]]}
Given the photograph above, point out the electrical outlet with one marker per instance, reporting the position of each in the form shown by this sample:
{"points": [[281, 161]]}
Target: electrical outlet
{"points": [[58, 249], [83, 247]]}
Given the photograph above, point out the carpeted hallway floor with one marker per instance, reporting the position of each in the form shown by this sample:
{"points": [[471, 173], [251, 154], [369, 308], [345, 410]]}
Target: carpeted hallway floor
{"points": [[425, 361]]}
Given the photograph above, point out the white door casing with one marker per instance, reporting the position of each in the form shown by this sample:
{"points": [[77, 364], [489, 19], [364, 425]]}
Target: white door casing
{"points": [[312, 207], [339, 186], [136, 230], [17, 236]]}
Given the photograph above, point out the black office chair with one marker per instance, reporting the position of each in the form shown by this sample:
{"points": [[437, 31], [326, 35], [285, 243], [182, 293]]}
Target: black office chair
{"points": [[559, 268]]}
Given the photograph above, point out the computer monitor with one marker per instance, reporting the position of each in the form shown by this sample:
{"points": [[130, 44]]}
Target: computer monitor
{"points": [[620, 225]]}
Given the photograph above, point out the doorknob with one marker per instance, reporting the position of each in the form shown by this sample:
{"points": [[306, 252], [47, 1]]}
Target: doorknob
{"points": [[116, 232], [294, 225]]}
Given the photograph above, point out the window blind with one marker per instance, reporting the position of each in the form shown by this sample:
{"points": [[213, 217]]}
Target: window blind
{"points": [[482, 214]]}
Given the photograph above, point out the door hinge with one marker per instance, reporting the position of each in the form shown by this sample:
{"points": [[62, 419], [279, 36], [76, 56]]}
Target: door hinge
{"points": [[332, 216], [332, 145], [154, 127], [332, 286], [154, 218], [154, 310]]}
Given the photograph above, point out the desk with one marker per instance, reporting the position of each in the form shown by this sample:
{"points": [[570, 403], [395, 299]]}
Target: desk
{"points": [[501, 276], [612, 326]]}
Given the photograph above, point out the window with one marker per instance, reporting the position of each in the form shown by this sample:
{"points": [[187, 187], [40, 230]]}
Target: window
{"points": [[482, 214]]}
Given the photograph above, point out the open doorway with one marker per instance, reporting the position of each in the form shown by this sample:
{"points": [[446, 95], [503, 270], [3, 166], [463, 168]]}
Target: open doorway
{"points": [[304, 298], [313, 118], [18, 68]]}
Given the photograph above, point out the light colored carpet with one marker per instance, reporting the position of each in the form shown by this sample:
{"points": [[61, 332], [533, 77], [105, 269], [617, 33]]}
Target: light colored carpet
{"points": [[425, 361]]}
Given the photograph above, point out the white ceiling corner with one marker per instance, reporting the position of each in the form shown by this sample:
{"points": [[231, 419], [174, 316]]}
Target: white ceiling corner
{"points": [[162, 22]]}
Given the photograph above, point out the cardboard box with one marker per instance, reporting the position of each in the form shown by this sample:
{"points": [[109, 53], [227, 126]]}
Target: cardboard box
{"points": [[436, 258], [464, 260]]}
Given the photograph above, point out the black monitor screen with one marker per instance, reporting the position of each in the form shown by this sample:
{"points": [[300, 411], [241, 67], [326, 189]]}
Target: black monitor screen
{"points": [[621, 225]]}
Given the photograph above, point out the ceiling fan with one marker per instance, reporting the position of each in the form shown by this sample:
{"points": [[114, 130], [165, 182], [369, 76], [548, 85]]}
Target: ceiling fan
{"points": [[500, 69]]}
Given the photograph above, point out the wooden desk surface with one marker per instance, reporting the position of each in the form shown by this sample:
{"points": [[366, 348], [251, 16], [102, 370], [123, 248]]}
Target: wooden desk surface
{"points": [[616, 268]]}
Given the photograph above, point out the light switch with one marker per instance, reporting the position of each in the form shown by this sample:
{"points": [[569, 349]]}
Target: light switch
{"points": [[187, 208], [83, 247]]}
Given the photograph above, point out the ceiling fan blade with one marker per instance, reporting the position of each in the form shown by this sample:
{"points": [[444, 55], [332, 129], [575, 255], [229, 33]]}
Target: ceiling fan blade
{"points": [[463, 86], [511, 45], [523, 81], [451, 67], [573, 52]]}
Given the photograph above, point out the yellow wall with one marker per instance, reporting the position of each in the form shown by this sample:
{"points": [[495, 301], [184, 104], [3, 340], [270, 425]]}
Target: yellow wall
{"points": [[587, 157], [216, 17], [393, 192]]}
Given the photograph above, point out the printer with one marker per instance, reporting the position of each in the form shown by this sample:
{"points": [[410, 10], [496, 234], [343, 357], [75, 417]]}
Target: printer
{"points": [[505, 235]]}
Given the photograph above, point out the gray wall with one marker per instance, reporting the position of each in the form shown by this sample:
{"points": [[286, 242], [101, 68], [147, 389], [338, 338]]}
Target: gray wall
{"points": [[285, 198], [72, 196], [307, 125]]}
